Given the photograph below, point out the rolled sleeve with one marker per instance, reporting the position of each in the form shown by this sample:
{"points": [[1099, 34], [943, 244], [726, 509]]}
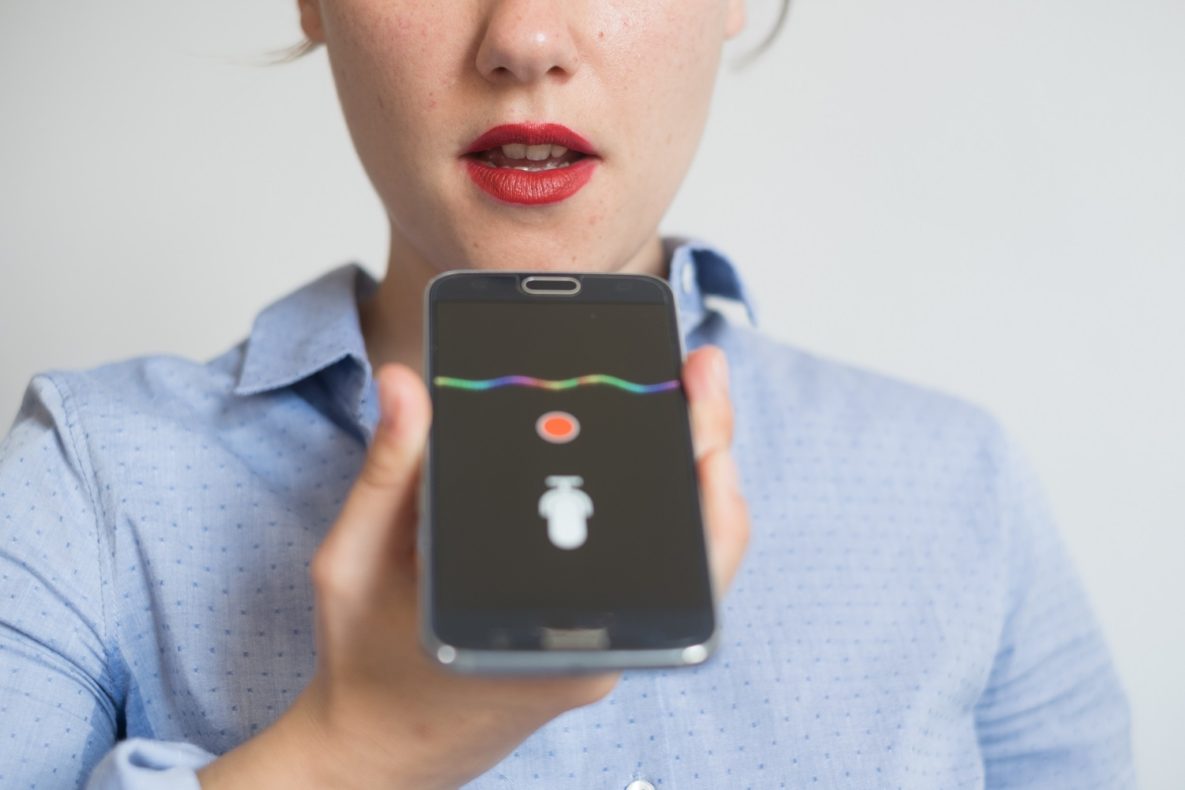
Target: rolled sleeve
{"points": [[139, 764]]}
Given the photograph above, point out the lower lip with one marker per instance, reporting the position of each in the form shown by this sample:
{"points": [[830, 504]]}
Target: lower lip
{"points": [[532, 188]]}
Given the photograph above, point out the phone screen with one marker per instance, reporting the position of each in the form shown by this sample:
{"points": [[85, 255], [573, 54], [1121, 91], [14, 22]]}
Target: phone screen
{"points": [[562, 487]]}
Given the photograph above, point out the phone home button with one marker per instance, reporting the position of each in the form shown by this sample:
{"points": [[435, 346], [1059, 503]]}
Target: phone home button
{"points": [[574, 638]]}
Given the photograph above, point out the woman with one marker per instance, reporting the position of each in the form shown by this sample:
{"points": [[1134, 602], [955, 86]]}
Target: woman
{"points": [[908, 620]]}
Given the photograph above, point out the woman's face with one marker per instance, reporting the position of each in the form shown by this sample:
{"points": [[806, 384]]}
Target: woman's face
{"points": [[421, 81]]}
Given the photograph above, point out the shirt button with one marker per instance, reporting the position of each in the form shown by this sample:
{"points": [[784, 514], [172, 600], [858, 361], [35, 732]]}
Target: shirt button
{"points": [[640, 784]]}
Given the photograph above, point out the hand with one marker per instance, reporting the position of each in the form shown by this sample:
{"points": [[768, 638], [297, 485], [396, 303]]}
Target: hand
{"points": [[379, 712]]}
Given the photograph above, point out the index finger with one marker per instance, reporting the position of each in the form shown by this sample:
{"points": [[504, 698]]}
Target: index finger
{"points": [[705, 377]]}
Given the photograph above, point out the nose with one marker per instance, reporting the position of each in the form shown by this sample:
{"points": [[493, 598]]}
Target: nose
{"points": [[527, 40]]}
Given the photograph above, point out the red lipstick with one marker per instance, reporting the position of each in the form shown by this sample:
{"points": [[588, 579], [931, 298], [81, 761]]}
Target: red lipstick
{"points": [[501, 165]]}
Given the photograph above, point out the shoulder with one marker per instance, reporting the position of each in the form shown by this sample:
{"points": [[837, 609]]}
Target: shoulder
{"points": [[143, 386], [778, 380], [868, 444], [105, 416]]}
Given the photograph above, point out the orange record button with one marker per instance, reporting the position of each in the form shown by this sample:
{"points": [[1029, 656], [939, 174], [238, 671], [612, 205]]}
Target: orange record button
{"points": [[557, 427]]}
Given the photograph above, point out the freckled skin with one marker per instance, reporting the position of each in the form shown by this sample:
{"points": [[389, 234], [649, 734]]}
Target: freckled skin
{"points": [[418, 81]]}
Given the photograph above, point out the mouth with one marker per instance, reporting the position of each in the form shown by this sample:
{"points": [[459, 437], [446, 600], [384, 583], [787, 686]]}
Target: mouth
{"points": [[529, 147], [528, 158], [530, 164]]}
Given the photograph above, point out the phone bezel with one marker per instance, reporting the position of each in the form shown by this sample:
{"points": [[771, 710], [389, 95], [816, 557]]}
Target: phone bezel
{"points": [[480, 285]]}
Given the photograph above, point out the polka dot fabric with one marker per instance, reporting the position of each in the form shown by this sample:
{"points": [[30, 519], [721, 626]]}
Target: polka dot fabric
{"points": [[905, 616]]}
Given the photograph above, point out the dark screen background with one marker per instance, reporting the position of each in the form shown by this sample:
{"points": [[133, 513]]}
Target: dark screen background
{"points": [[491, 550]]}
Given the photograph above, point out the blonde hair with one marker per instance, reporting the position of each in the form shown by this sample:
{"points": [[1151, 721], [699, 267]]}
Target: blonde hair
{"points": [[290, 54]]}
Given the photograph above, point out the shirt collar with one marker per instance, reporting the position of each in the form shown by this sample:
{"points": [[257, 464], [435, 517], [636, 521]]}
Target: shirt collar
{"points": [[317, 325], [307, 331], [704, 281]]}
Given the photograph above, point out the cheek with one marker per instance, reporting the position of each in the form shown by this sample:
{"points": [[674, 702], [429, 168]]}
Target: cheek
{"points": [[670, 67], [389, 63]]}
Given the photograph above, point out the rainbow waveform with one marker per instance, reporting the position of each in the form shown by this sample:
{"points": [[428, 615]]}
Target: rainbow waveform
{"points": [[561, 384]]}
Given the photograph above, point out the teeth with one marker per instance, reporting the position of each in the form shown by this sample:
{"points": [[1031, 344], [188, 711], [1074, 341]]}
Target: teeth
{"points": [[537, 168], [534, 153]]}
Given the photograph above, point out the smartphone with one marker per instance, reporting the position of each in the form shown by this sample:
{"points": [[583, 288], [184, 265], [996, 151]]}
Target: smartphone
{"points": [[561, 527]]}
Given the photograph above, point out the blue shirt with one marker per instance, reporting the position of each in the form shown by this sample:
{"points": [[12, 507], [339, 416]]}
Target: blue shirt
{"points": [[905, 615]]}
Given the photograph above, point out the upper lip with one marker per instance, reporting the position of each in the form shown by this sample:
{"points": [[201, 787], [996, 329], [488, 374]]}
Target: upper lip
{"points": [[531, 134]]}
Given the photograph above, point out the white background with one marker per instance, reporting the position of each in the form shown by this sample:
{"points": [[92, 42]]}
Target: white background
{"points": [[984, 197]]}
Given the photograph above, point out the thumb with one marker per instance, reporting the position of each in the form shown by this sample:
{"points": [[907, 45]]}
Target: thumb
{"points": [[378, 517]]}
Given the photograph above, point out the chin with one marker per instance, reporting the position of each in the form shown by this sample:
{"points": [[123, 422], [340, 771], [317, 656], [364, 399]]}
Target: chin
{"points": [[518, 252]]}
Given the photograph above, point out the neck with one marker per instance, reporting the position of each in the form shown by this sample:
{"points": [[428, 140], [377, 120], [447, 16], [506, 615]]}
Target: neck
{"points": [[392, 320]]}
